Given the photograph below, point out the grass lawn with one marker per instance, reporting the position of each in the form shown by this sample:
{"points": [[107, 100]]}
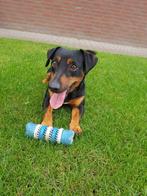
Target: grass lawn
{"points": [[108, 159]]}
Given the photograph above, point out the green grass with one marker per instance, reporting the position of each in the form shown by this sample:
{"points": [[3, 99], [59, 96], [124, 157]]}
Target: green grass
{"points": [[108, 159]]}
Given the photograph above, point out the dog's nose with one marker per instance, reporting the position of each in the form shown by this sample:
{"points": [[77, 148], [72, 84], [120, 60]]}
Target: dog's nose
{"points": [[54, 86]]}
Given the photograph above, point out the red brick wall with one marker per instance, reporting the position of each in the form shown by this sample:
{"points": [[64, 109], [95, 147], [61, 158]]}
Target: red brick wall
{"points": [[123, 22]]}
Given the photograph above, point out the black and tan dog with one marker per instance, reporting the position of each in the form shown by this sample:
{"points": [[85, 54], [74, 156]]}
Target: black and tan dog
{"points": [[65, 79]]}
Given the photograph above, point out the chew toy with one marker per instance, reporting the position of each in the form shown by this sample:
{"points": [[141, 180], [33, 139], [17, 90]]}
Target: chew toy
{"points": [[54, 135]]}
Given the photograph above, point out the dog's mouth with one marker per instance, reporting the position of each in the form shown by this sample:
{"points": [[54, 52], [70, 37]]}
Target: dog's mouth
{"points": [[57, 99]]}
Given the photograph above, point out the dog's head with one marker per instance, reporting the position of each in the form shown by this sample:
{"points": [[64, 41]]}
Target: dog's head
{"points": [[68, 68]]}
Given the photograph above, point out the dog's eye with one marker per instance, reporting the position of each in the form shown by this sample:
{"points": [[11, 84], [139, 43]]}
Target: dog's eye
{"points": [[73, 67], [54, 63]]}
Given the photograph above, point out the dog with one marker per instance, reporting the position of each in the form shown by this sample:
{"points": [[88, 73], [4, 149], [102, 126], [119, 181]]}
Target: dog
{"points": [[66, 83]]}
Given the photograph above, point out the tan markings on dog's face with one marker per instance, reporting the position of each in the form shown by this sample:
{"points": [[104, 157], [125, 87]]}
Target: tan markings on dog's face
{"points": [[52, 75], [48, 78], [69, 61], [50, 93], [70, 83], [57, 58]]}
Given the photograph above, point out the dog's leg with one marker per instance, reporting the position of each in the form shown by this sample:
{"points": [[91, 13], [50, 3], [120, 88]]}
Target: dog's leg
{"points": [[75, 120], [77, 112], [48, 119]]}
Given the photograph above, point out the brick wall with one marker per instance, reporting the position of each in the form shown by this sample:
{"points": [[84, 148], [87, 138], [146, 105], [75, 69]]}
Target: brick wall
{"points": [[114, 21]]}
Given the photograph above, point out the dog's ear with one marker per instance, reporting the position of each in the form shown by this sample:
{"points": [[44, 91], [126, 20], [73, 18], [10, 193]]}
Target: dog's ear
{"points": [[90, 60], [50, 55]]}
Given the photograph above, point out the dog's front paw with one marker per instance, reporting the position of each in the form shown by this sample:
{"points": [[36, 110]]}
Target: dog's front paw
{"points": [[75, 127], [47, 123]]}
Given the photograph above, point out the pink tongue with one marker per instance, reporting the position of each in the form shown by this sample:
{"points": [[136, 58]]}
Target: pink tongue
{"points": [[57, 99]]}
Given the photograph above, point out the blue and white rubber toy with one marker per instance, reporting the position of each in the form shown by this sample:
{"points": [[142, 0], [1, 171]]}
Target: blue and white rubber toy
{"points": [[54, 135]]}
